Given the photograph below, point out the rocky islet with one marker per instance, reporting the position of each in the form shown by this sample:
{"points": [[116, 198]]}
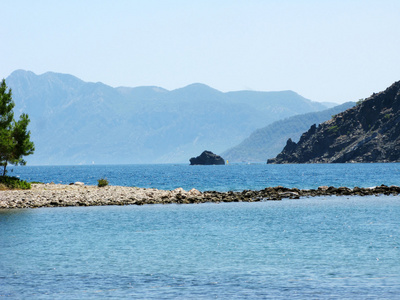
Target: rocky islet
{"points": [[207, 158]]}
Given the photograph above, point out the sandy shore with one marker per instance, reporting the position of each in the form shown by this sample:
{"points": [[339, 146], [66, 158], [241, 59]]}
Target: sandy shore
{"points": [[58, 195]]}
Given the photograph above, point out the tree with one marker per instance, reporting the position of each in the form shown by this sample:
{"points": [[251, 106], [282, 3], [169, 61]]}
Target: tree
{"points": [[15, 140]]}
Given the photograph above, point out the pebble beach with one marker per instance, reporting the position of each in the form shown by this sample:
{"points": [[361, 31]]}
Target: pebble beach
{"points": [[59, 195]]}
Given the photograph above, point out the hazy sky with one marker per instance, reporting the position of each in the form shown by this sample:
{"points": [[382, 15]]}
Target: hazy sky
{"points": [[337, 51]]}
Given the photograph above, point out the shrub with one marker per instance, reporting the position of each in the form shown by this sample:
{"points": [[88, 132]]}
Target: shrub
{"points": [[102, 182], [333, 129], [14, 183], [360, 101]]}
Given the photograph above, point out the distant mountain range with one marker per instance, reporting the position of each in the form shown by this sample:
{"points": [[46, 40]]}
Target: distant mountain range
{"points": [[267, 142], [77, 122], [368, 132]]}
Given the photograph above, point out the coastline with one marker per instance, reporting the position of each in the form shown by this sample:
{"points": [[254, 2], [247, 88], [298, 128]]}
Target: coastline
{"points": [[59, 195]]}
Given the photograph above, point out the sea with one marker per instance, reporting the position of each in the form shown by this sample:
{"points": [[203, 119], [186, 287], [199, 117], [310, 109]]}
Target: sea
{"points": [[311, 248]]}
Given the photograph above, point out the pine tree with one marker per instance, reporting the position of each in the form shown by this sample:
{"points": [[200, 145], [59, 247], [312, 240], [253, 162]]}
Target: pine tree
{"points": [[15, 140]]}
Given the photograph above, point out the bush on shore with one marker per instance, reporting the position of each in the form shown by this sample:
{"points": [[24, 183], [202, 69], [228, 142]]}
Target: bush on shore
{"points": [[102, 182], [9, 182]]}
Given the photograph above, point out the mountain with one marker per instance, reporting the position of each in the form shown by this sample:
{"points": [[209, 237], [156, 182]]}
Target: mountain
{"points": [[368, 132], [77, 122], [270, 140]]}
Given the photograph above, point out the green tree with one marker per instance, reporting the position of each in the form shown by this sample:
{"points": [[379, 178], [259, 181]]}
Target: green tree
{"points": [[15, 140]]}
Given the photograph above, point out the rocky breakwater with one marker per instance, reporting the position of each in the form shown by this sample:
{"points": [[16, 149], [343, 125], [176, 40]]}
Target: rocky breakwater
{"points": [[279, 193], [56, 195]]}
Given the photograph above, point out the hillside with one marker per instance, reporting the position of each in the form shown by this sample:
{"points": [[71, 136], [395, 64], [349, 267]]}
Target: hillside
{"points": [[270, 140], [77, 122], [369, 132]]}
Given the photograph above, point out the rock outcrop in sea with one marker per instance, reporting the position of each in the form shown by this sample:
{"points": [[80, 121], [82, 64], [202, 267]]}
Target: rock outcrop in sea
{"points": [[368, 132], [207, 158]]}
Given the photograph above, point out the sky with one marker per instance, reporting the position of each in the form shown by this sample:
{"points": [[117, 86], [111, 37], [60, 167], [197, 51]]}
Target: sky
{"points": [[327, 51]]}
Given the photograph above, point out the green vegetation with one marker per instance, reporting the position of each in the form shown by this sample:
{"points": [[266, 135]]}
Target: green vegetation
{"points": [[333, 129], [102, 182], [14, 136], [8, 182], [387, 116], [360, 101]]}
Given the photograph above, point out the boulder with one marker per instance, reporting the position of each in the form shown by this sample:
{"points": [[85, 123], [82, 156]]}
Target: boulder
{"points": [[207, 158]]}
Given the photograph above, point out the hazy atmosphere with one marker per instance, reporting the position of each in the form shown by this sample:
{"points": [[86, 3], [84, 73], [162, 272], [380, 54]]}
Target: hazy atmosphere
{"points": [[332, 51], [200, 149]]}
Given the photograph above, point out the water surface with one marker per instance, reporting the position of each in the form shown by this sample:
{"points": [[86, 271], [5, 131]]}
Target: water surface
{"points": [[235, 177], [312, 248], [328, 247]]}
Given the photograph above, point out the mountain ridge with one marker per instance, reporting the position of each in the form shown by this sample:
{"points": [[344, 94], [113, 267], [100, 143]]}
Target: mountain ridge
{"points": [[268, 141], [77, 122]]}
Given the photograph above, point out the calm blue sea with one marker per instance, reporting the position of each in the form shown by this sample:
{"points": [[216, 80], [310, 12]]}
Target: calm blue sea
{"points": [[232, 177], [312, 248]]}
